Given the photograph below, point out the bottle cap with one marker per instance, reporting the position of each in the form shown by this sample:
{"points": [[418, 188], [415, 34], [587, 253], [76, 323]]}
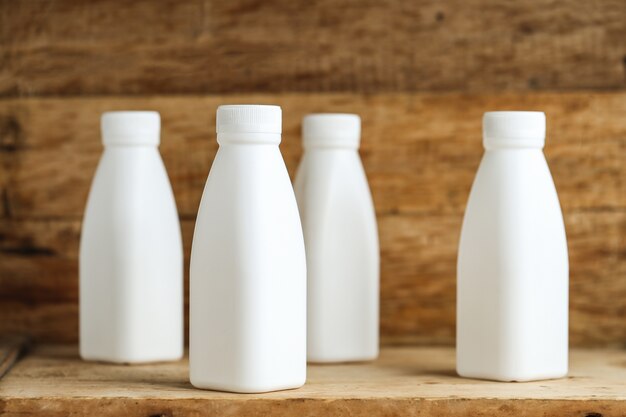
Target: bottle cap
{"points": [[331, 130], [246, 118], [130, 128], [514, 129]]}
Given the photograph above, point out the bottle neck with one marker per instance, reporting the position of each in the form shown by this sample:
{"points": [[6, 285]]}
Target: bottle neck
{"points": [[351, 149], [495, 143], [130, 145], [226, 138], [331, 142], [150, 140]]}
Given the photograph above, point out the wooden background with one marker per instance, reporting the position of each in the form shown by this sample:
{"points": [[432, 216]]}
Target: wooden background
{"points": [[419, 73]]}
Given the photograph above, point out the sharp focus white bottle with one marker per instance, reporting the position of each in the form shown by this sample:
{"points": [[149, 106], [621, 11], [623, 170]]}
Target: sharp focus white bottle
{"points": [[248, 266], [131, 256], [512, 273], [341, 241]]}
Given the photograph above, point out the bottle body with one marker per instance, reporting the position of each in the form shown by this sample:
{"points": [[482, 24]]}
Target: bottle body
{"points": [[131, 261], [512, 272], [341, 241], [248, 275]]}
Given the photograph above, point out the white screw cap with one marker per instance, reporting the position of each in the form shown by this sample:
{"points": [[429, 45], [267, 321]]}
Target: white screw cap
{"points": [[246, 118], [514, 129], [130, 128], [340, 130]]}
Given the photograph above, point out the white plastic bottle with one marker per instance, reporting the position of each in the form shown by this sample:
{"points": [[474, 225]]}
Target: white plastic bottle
{"points": [[341, 241], [512, 272], [248, 266], [131, 256]]}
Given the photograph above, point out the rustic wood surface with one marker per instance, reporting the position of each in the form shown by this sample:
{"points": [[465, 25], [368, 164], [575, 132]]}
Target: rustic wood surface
{"points": [[69, 47], [420, 151], [403, 381], [11, 348]]}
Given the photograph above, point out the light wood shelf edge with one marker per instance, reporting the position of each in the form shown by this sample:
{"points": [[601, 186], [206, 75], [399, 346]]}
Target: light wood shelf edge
{"points": [[52, 380]]}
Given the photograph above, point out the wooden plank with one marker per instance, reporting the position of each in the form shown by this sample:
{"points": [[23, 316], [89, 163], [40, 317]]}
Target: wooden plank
{"points": [[597, 277], [420, 151], [56, 322], [11, 348], [39, 281], [68, 47], [403, 381]]}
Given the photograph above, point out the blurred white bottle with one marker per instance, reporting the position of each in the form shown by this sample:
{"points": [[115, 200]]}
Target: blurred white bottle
{"points": [[341, 241], [248, 266], [131, 256], [512, 273]]}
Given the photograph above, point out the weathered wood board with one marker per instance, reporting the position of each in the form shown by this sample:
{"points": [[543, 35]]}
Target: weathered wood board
{"points": [[420, 152], [403, 381], [68, 47]]}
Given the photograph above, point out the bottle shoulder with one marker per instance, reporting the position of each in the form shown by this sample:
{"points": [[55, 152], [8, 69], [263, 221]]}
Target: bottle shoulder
{"points": [[242, 179], [130, 191], [140, 170], [334, 200], [247, 194], [513, 211], [508, 182], [340, 178]]}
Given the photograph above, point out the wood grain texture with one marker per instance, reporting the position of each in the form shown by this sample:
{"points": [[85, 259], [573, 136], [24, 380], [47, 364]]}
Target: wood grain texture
{"points": [[403, 381], [69, 47], [39, 278], [420, 153], [11, 348]]}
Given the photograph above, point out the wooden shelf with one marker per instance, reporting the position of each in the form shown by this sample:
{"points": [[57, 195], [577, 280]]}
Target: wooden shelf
{"points": [[53, 381]]}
